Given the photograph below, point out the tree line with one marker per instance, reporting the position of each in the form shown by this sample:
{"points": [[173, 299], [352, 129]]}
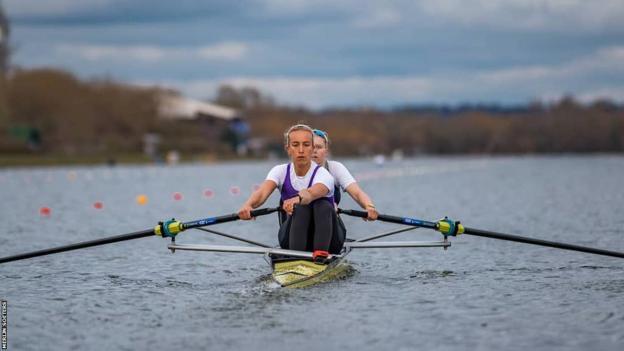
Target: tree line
{"points": [[52, 111], [565, 126]]}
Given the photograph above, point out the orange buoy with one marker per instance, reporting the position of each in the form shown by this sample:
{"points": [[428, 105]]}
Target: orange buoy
{"points": [[141, 199]]}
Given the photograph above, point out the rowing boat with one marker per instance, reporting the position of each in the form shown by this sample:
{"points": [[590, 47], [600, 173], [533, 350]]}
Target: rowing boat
{"points": [[295, 269], [295, 272]]}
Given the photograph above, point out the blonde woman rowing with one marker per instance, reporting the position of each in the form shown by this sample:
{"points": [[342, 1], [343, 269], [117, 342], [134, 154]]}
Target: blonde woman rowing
{"points": [[307, 191]]}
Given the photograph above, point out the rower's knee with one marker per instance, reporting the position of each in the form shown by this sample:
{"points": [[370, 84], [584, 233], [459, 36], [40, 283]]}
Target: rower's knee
{"points": [[301, 211], [322, 207]]}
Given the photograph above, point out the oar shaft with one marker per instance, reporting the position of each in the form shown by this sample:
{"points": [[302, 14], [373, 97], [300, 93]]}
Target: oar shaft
{"points": [[392, 219], [81, 245], [521, 239], [131, 236], [487, 234], [227, 218]]}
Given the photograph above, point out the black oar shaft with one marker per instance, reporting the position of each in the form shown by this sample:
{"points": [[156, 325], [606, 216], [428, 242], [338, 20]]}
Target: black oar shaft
{"points": [[521, 239], [131, 236], [227, 218], [81, 245], [488, 234]]}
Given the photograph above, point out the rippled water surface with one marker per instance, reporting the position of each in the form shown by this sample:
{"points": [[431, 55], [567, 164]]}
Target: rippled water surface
{"points": [[480, 294]]}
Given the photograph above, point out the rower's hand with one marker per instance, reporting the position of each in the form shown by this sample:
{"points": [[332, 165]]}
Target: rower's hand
{"points": [[372, 214], [289, 205], [244, 212]]}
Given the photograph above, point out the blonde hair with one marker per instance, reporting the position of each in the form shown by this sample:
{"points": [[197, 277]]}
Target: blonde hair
{"points": [[295, 128]]}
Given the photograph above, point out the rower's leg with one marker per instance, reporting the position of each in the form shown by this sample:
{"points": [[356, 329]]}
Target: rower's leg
{"points": [[283, 235], [300, 222], [323, 224], [339, 236]]}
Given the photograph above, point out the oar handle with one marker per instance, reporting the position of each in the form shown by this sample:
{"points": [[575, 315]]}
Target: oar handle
{"points": [[262, 211], [392, 219]]}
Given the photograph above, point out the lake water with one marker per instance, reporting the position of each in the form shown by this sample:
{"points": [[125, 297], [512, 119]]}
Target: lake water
{"points": [[480, 294]]}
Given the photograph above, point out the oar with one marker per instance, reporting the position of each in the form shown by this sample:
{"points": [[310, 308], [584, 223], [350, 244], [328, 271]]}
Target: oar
{"points": [[448, 227], [170, 229]]}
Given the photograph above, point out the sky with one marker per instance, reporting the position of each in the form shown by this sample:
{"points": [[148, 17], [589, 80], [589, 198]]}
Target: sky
{"points": [[332, 53]]}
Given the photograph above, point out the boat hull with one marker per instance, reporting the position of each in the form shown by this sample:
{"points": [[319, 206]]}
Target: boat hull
{"points": [[301, 273]]}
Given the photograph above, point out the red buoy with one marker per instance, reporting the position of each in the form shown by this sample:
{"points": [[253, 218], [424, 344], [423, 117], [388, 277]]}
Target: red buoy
{"points": [[45, 211]]}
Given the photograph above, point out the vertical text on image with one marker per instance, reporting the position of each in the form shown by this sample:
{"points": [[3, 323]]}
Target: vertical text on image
{"points": [[5, 306]]}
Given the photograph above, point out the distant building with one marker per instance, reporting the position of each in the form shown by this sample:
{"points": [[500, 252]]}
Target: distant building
{"points": [[179, 107], [217, 124]]}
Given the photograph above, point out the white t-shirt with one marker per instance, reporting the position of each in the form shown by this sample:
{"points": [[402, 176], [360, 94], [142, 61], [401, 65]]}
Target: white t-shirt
{"points": [[278, 175], [341, 174]]}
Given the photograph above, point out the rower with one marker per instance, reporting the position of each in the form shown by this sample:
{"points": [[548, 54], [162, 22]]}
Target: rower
{"points": [[307, 191], [344, 181]]}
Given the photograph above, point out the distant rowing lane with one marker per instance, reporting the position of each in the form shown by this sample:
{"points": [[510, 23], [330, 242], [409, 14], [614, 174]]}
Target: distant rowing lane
{"points": [[417, 170]]}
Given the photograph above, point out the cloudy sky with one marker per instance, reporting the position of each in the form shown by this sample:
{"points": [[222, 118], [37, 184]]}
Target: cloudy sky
{"points": [[323, 53]]}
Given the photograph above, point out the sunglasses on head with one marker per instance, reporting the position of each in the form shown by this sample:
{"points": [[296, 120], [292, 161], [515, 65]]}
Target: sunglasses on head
{"points": [[320, 133]]}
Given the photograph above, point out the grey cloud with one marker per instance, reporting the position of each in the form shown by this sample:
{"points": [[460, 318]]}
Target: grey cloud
{"points": [[330, 41]]}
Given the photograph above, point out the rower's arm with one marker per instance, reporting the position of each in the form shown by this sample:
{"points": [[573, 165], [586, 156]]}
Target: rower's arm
{"points": [[312, 193], [359, 195], [363, 200], [258, 197]]}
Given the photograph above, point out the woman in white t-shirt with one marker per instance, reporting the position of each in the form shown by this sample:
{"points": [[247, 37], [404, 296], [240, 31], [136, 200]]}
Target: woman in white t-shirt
{"points": [[306, 190], [343, 179]]}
